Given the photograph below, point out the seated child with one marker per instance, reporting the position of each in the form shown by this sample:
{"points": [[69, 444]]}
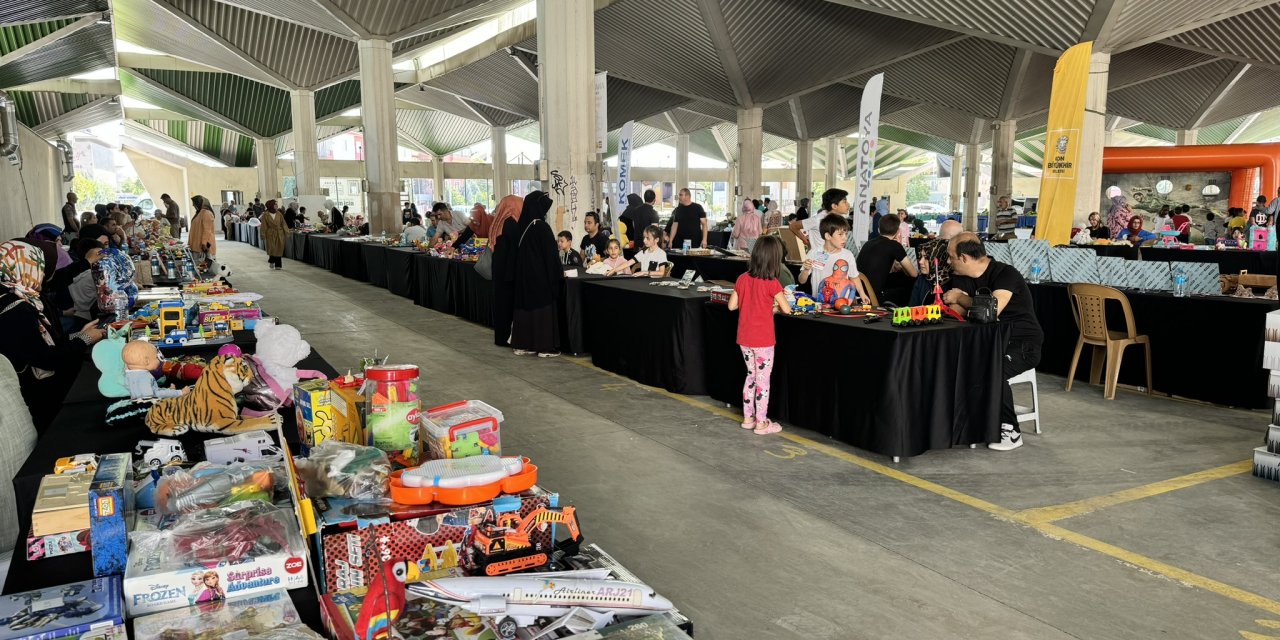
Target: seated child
{"points": [[650, 261], [568, 257], [615, 262]]}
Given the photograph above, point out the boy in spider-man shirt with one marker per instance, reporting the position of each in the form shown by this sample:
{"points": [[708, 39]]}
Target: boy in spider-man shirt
{"points": [[822, 262]]}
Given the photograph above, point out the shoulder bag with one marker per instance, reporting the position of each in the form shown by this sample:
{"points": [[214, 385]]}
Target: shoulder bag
{"points": [[984, 309]]}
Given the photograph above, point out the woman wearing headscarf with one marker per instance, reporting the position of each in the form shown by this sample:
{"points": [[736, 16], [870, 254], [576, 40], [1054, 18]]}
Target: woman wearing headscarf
{"points": [[481, 224], [506, 217], [1118, 216], [628, 217], [336, 219], [538, 278], [47, 363], [276, 233], [201, 241], [747, 227]]}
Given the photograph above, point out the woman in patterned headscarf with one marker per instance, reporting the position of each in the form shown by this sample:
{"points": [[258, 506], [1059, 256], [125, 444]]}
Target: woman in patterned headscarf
{"points": [[1118, 216], [46, 364]]}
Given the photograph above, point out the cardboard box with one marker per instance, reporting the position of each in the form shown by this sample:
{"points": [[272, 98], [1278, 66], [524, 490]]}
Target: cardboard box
{"points": [[317, 419], [348, 406], [62, 504], [88, 609], [207, 315], [58, 544], [355, 541], [110, 507], [233, 618]]}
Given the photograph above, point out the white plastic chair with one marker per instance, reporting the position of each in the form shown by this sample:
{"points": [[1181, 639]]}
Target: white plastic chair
{"points": [[1033, 413]]}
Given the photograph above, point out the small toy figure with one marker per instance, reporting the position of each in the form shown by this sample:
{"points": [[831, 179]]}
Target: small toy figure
{"points": [[384, 602], [140, 359], [837, 286]]}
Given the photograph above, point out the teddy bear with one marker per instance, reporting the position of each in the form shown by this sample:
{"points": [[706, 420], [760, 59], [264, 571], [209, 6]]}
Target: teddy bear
{"points": [[280, 348]]}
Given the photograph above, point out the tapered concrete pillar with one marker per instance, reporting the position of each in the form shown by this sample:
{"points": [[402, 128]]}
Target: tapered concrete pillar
{"points": [[1092, 138], [1188, 136], [804, 170], [437, 179], [381, 152], [268, 178], [957, 184], [501, 179], [566, 104], [682, 161], [835, 162], [306, 162], [1002, 141], [750, 151], [972, 174]]}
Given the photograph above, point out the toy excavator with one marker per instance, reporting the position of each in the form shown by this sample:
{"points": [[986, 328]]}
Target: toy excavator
{"points": [[506, 546]]}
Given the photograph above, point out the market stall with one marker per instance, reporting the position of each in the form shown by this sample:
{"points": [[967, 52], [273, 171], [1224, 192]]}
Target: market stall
{"points": [[668, 354]]}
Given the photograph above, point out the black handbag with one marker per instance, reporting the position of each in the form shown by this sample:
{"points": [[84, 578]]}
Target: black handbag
{"points": [[984, 309]]}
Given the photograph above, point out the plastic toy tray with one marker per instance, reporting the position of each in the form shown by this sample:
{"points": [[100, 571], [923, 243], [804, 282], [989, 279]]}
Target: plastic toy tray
{"points": [[522, 481]]}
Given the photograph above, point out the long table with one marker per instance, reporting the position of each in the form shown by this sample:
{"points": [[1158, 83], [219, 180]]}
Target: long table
{"points": [[649, 333], [1229, 261]]}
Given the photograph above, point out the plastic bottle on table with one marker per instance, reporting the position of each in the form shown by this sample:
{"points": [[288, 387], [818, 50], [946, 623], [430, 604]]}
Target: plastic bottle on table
{"points": [[1036, 269], [1180, 282], [120, 305]]}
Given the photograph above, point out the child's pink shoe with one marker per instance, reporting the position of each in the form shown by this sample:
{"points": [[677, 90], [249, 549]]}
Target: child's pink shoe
{"points": [[767, 427]]}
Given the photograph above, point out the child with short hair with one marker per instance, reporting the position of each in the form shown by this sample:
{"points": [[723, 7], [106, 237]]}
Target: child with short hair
{"points": [[756, 294], [568, 257], [615, 262], [649, 261], [823, 261]]}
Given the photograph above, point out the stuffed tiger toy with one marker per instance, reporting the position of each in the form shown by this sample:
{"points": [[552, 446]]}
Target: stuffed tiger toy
{"points": [[211, 405]]}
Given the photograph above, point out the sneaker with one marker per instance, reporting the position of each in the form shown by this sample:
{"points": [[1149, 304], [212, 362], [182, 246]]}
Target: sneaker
{"points": [[767, 427], [1010, 439], [549, 354], [523, 352]]}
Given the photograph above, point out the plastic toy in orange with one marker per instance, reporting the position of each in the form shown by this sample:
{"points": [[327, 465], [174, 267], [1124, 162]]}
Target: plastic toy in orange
{"points": [[505, 546], [462, 481]]}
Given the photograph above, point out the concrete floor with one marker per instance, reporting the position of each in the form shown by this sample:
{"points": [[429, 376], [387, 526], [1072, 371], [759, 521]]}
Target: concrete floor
{"points": [[802, 537]]}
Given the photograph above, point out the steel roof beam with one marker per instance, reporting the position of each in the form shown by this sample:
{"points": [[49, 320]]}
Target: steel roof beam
{"points": [[202, 112], [150, 136], [797, 115], [671, 120], [436, 23], [713, 16], [166, 62], [67, 85], [1191, 25], [52, 126], [222, 43], [341, 16], [78, 25], [526, 60], [1101, 22], [134, 113], [1215, 98], [1013, 84], [1248, 122], [1220, 55]]}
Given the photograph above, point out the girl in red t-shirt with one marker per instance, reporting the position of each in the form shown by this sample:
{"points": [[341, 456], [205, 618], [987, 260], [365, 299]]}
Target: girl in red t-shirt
{"points": [[755, 295]]}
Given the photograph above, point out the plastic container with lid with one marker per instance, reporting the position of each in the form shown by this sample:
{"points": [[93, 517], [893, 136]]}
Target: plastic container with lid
{"points": [[462, 429], [393, 411]]}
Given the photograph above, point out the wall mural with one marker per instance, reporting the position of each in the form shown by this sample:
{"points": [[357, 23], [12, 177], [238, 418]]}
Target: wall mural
{"points": [[1147, 193]]}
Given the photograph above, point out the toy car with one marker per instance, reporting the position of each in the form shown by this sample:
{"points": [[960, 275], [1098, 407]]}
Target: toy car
{"points": [[160, 452], [244, 447], [78, 463], [178, 337]]}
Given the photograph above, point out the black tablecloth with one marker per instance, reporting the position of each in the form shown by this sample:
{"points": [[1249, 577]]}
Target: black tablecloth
{"points": [[716, 267], [322, 249], [297, 246], [668, 354], [348, 260], [573, 313], [472, 294], [375, 263], [1228, 260], [1190, 356], [894, 391], [434, 286], [400, 276]]}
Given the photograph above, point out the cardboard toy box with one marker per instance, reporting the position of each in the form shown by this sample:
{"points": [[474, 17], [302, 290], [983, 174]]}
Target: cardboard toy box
{"points": [[88, 609], [232, 618], [110, 507], [151, 591], [348, 407], [57, 544], [354, 541], [317, 419], [206, 315], [62, 504]]}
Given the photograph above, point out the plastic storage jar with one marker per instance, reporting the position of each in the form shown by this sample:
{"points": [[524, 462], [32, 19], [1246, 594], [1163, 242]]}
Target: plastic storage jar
{"points": [[393, 411]]}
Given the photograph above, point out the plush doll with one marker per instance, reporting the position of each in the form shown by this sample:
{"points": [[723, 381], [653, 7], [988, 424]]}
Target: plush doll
{"points": [[211, 407], [140, 359], [280, 348], [108, 357]]}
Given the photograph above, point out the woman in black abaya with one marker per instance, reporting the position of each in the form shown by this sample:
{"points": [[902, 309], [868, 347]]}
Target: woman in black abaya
{"points": [[502, 237], [538, 275]]}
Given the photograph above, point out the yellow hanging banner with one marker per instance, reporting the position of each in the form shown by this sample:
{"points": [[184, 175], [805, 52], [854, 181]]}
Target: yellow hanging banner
{"points": [[1058, 183]]}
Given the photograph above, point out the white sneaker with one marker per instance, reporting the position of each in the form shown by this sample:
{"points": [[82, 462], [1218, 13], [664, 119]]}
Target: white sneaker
{"points": [[1010, 439], [523, 352], [549, 354]]}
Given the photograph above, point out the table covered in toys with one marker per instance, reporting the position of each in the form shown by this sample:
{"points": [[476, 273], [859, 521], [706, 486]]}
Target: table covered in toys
{"points": [[277, 498]]}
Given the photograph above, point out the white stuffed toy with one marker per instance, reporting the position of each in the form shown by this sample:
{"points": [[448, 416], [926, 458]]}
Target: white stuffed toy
{"points": [[280, 348]]}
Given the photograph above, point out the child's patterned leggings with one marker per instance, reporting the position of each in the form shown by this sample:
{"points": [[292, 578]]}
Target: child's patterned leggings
{"points": [[755, 392]]}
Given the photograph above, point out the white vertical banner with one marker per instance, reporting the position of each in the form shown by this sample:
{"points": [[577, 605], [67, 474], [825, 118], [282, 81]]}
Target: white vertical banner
{"points": [[602, 112], [868, 140], [624, 163]]}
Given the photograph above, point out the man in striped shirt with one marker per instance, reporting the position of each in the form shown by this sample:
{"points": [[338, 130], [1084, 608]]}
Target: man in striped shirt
{"points": [[1005, 220]]}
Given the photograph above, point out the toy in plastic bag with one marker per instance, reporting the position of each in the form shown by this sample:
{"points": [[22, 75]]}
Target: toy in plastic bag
{"points": [[345, 470], [268, 615], [220, 536], [206, 486]]}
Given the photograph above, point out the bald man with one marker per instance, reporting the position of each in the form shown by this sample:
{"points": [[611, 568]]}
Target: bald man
{"points": [[973, 271], [70, 219], [928, 252]]}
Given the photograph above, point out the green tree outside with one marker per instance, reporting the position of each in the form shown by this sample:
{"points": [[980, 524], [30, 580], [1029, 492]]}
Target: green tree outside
{"points": [[917, 190], [92, 192]]}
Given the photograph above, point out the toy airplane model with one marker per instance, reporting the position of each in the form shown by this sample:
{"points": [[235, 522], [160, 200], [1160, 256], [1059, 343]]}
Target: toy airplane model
{"points": [[520, 600]]}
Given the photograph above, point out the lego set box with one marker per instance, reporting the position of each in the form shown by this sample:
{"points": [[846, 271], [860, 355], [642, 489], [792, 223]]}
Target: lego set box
{"points": [[88, 609]]}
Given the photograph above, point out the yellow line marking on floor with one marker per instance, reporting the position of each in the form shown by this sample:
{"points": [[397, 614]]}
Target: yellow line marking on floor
{"points": [[1057, 512], [1046, 528], [1268, 624]]}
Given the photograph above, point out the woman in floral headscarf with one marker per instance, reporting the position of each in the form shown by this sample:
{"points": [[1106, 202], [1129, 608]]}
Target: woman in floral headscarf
{"points": [[1118, 216], [46, 364]]}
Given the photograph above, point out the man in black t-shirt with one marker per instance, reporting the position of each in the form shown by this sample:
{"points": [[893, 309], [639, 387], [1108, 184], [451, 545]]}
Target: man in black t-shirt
{"points": [[973, 271], [594, 236], [884, 261], [688, 222]]}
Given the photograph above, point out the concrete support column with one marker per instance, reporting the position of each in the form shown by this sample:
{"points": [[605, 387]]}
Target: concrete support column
{"points": [[381, 157], [501, 177], [1092, 138], [750, 152], [1002, 141], [1188, 136], [268, 178], [437, 179], [972, 174], [306, 162], [957, 186], [566, 104], [804, 170], [682, 161], [835, 161]]}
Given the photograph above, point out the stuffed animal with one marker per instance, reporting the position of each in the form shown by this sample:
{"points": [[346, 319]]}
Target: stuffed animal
{"points": [[108, 357], [211, 406], [280, 348], [140, 359]]}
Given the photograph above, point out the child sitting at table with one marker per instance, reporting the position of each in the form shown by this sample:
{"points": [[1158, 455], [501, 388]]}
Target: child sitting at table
{"points": [[568, 257], [615, 262], [650, 261], [756, 294]]}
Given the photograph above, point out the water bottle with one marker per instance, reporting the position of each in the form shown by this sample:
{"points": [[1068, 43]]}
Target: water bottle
{"points": [[687, 245], [384, 236], [1180, 283], [155, 265], [120, 304], [1036, 270]]}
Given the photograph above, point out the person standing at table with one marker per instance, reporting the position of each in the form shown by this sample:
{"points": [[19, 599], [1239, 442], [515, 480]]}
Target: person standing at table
{"points": [[1212, 228], [688, 222], [975, 272], [203, 246], [931, 252], [833, 201], [70, 219], [644, 216], [747, 228], [1119, 214], [756, 294], [507, 219], [1181, 222], [276, 233], [538, 277], [173, 215], [883, 259], [1004, 220]]}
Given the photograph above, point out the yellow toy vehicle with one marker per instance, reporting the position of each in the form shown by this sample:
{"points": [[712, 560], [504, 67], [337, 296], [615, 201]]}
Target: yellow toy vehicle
{"points": [[78, 463]]}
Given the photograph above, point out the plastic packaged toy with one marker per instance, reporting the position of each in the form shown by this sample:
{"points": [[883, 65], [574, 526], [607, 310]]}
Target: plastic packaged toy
{"points": [[206, 486], [343, 470], [393, 411], [269, 615], [462, 429], [462, 481], [89, 609]]}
